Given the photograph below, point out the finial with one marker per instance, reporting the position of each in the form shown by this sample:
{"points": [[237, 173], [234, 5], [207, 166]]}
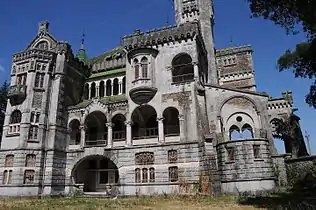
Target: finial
{"points": [[43, 27]]}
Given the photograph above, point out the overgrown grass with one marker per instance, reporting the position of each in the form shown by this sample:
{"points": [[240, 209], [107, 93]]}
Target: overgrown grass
{"points": [[139, 203]]}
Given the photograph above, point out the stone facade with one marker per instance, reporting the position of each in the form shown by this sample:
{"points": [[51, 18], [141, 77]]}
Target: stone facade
{"points": [[163, 113]]}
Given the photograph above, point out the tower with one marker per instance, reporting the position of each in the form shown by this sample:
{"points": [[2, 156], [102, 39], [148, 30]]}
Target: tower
{"points": [[203, 12]]}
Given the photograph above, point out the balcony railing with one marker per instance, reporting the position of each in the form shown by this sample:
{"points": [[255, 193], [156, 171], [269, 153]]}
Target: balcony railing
{"points": [[183, 78], [145, 133], [119, 135], [14, 129], [172, 130], [98, 139]]}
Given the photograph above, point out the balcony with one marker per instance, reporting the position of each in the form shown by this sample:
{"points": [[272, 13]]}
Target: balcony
{"points": [[96, 140], [14, 129], [142, 95], [17, 94]]}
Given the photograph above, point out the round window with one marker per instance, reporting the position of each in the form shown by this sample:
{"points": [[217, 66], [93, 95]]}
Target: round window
{"points": [[239, 119]]}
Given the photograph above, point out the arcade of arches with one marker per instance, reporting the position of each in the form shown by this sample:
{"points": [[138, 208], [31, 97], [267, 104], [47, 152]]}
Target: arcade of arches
{"points": [[97, 131], [95, 173], [110, 87]]}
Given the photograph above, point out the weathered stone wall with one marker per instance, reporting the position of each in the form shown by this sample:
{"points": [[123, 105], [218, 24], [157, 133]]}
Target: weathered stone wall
{"points": [[188, 164], [17, 186], [299, 169], [279, 169], [243, 167]]}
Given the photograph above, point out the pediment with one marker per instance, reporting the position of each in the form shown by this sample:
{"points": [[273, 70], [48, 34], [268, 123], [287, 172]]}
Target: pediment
{"points": [[51, 41]]}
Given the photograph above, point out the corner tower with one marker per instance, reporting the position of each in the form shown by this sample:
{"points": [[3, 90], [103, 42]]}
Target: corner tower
{"points": [[203, 12]]}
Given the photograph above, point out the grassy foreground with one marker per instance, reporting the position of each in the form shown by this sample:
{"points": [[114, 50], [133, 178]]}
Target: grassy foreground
{"points": [[139, 203]]}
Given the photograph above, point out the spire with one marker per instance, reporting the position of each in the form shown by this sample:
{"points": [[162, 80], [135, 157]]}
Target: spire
{"points": [[82, 55]]}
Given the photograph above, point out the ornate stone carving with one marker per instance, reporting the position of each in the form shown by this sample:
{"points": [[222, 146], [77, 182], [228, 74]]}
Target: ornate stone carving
{"points": [[172, 156], [29, 176], [9, 159], [144, 158], [128, 123], [30, 160]]}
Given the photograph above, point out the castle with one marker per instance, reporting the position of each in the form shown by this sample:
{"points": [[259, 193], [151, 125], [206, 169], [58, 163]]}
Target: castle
{"points": [[164, 113]]}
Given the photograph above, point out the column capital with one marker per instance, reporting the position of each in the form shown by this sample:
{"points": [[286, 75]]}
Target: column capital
{"points": [[128, 123], [109, 124], [160, 119], [83, 127], [181, 117]]}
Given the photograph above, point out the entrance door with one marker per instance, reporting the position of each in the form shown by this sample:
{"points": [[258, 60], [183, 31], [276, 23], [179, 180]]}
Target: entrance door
{"points": [[95, 173]]}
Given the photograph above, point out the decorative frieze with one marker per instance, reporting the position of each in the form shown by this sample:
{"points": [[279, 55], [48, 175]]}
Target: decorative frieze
{"points": [[144, 158]]}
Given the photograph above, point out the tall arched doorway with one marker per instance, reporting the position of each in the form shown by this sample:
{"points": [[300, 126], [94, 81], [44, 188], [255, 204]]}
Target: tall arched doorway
{"points": [[96, 173]]}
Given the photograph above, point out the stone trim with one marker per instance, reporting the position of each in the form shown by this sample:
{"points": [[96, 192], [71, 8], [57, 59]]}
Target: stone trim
{"points": [[249, 180]]}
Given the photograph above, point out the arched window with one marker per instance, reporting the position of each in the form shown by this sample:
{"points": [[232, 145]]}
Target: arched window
{"points": [[145, 175], [137, 175], [124, 85], [247, 132], [182, 68], [42, 45], [16, 117], [151, 175], [136, 67], [171, 122], [108, 88], [144, 64], [93, 90], [101, 89], [115, 87], [119, 128], [75, 134], [145, 123], [234, 133], [96, 129], [86, 92]]}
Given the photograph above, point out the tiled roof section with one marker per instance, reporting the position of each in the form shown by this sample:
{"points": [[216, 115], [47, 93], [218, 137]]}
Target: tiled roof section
{"points": [[112, 99], [105, 100], [107, 73], [81, 105], [160, 36], [114, 58], [110, 55], [233, 50]]}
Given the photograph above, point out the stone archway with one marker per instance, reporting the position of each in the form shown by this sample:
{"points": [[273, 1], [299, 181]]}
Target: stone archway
{"points": [[96, 174]]}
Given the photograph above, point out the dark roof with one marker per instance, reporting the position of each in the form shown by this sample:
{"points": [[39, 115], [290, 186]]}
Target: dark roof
{"points": [[107, 56]]}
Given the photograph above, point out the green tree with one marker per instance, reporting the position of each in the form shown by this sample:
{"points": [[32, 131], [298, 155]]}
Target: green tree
{"points": [[3, 103], [295, 16]]}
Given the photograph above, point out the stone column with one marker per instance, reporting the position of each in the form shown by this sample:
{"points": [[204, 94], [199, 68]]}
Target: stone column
{"points": [[97, 91], [82, 136], [196, 70], [110, 135], [129, 141], [112, 87], [120, 88], [89, 97], [161, 130], [182, 130]]}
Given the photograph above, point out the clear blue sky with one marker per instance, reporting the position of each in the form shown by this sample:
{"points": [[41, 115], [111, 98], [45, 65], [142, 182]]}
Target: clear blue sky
{"points": [[105, 22]]}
